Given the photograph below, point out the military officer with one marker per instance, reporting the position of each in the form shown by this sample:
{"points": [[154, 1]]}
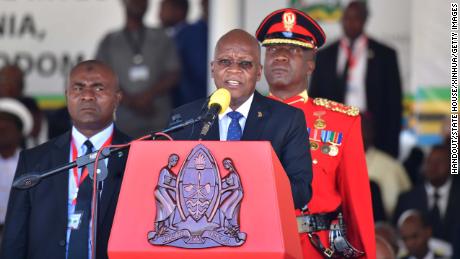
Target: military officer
{"points": [[341, 193]]}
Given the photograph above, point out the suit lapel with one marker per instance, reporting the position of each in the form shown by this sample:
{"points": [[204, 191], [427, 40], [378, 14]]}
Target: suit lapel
{"points": [[370, 71], [257, 118], [423, 199], [116, 166], [60, 156], [452, 206], [335, 55], [340, 93]]}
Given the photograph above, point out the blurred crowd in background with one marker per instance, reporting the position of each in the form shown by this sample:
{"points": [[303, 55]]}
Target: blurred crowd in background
{"points": [[415, 199]]}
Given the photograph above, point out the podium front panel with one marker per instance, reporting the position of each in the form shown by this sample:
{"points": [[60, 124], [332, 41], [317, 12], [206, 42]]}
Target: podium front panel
{"points": [[266, 213]]}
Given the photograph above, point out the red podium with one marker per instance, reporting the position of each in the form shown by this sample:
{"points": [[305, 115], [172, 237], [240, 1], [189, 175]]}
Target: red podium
{"points": [[266, 211]]}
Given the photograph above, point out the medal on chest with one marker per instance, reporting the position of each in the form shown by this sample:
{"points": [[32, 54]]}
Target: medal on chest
{"points": [[319, 123], [315, 138], [331, 141], [327, 141]]}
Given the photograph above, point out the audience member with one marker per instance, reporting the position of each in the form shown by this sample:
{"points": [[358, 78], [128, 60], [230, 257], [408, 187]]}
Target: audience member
{"points": [[192, 46], [251, 116], [11, 81], [51, 220], [12, 85], [389, 233], [39, 133], [383, 249], [173, 16], [438, 195], [15, 124], [362, 72], [147, 65], [415, 232], [386, 171], [414, 160]]}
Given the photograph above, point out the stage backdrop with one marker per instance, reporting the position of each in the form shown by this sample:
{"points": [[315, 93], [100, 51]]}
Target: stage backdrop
{"points": [[47, 37]]}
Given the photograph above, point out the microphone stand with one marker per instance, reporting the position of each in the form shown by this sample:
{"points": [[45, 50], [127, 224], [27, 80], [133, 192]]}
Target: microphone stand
{"points": [[30, 180], [98, 172]]}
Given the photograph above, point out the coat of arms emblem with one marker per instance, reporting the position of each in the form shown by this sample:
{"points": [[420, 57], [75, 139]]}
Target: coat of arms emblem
{"points": [[197, 208]]}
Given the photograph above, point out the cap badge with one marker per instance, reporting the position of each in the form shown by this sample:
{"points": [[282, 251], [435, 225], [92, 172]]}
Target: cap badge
{"points": [[289, 20]]}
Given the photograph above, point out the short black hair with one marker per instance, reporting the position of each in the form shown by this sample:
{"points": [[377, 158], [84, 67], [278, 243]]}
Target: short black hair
{"points": [[443, 147], [15, 67], [414, 213], [182, 4], [361, 6]]}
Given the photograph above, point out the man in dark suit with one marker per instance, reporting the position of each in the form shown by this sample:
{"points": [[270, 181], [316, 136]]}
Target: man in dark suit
{"points": [[359, 71], [438, 196], [251, 116], [51, 220]]}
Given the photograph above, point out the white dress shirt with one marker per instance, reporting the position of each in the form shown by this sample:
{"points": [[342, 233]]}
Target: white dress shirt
{"points": [[7, 171], [224, 119], [355, 93], [429, 255], [443, 192], [97, 140]]}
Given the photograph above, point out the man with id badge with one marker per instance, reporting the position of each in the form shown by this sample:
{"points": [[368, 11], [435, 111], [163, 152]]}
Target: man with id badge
{"points": [[147, 64], [52, 219]]}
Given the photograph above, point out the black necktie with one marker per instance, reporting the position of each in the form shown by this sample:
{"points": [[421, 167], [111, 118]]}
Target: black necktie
{"points": [[78, 243], [435, 214], [344, 75]]}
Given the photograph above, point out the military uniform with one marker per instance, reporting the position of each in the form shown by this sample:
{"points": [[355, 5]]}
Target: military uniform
{"points": [[338, 221], [339, 171]]}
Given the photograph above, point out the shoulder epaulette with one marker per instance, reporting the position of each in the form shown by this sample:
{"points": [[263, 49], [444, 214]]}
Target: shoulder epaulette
{"points": [[337, 107]]}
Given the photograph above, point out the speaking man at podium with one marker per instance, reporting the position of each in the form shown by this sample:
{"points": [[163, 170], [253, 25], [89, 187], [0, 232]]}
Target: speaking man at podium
{"points": [[51, 220], [250, 116]]}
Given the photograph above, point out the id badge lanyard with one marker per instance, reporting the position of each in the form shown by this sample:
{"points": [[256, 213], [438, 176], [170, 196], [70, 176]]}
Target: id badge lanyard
{"points": [[84, 174]]}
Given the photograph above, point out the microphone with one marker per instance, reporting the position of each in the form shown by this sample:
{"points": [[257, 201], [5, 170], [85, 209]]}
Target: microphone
{"points": [[218, 103]]}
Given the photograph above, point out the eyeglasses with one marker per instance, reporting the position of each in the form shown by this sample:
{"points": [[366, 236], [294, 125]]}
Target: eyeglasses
{"points": [[242, 64]]}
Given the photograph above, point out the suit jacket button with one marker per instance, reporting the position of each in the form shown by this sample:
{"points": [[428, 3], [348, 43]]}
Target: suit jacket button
{"points": [[62, 242]]}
